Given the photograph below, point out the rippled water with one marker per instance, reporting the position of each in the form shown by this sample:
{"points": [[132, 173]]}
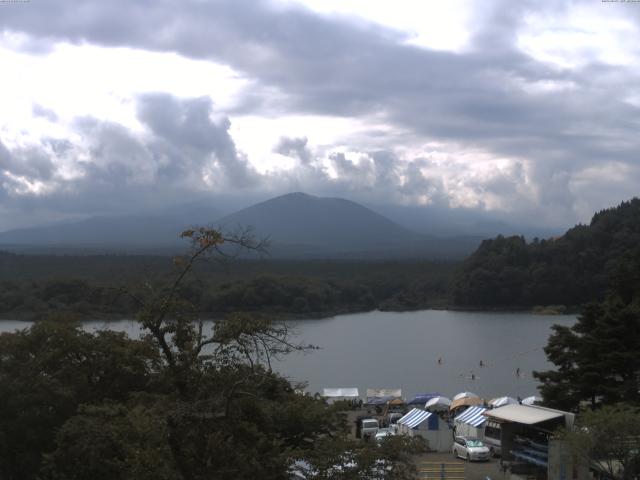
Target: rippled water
{"points": [[401, 350]]}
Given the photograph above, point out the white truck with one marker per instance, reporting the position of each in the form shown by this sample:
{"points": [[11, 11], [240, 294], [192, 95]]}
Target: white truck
{"points": [[369, 427]]}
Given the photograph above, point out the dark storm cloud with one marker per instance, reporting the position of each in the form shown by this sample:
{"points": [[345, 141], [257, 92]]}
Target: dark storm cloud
{"points": [[32, 163], [185, 151], [492, 97], [190, 137], [294, 148]]}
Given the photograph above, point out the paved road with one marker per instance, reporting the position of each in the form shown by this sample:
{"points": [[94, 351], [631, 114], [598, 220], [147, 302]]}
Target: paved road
{"points": [[430, 467]]}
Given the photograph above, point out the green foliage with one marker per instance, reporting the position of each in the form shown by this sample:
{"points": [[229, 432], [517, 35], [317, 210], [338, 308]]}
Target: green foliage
{"points": [[598, 360], [571, 270], [47, 371], [33, 285], [608, 439], [182, 403]]}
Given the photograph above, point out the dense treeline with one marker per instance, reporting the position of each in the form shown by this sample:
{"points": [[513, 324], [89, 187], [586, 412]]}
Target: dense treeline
{"points": [[569, 270], [597, 375], [91, 286], [185, 402]]}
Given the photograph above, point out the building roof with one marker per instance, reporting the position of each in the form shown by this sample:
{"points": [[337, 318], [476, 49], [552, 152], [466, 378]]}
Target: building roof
{"points": [[526, 414], [414, 418], [472, 416]]}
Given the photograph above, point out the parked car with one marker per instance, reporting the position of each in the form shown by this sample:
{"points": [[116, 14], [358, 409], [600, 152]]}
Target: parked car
{"points": [[382, 434], [470, 449], [370, 427]]}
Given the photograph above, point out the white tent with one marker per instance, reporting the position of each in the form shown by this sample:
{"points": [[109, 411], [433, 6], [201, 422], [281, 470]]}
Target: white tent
{"points": [[470, 423], [465, 395], [429, 426], [438, 404], [502, 401], [335, 394], [532, 400], [384, 392]]}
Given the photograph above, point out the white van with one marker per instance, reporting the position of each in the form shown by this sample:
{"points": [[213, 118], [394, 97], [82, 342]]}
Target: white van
{"points": [[370, 427], [492, 437]]}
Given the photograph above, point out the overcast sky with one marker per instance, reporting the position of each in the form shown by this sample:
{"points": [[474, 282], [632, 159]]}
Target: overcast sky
{"points": [[527, 109]]}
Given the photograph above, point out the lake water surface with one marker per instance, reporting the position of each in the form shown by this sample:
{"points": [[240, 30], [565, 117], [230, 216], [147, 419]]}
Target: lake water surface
{"points": [[401, 350]]}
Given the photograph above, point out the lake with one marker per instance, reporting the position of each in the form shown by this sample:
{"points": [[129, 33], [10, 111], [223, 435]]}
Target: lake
{"points": [[401, 350]]}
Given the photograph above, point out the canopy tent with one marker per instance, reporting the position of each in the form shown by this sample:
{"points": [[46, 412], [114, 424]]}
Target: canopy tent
{"points": [[502, 401], [466, 402], [472, 416], [422, 398], [342, 393], [532, 400], [438, 404], [414, 418], [464, 395], [470, 423], [379, 400], [428, 426], [530, 415], [348, 392], [380, 396]]}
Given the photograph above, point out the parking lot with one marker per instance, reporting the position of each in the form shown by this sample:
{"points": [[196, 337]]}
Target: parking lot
{"points": [[430, 465]]}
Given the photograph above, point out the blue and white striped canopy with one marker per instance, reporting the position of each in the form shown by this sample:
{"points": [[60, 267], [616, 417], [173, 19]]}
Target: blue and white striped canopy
{"points": [[472, 416], [414, 418]]}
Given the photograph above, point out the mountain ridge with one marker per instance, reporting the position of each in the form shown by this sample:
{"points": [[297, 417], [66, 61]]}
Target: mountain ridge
{"points": [[298, 225]]}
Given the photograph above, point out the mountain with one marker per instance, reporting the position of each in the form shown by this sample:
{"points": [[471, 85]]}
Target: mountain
{"points": [[456, 222], [572, 269], [140, 232], [298, 218], [301, 225], [297, 226]]}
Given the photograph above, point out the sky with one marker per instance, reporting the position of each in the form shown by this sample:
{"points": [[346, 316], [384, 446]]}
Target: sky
{"points": [[528, 110]]}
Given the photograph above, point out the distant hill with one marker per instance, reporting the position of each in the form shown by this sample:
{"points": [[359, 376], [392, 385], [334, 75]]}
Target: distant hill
{"points": [[298, 218], [297, 225], [457, 222], [570, 270], [131, 232], [302, 225]]}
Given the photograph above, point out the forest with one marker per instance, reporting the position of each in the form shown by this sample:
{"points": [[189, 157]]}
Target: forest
{"points": [[504, 273], [90, 286], [183, 402], [569, 270]]}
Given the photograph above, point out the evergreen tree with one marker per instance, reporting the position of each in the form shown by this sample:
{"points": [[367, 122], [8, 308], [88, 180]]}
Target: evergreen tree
{"points": [[598, 359]]}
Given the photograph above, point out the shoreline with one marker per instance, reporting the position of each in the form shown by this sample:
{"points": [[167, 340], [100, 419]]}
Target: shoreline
{"points": [[290, 316]]}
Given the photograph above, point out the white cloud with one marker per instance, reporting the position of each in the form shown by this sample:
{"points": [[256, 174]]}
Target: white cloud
{"points": [[504, 107]]}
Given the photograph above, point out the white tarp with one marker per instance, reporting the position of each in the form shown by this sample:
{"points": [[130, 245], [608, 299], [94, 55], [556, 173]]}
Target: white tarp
{"points": [[438, 404], [465, 395], [502, 401], [384, 392], [348, 392]]}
